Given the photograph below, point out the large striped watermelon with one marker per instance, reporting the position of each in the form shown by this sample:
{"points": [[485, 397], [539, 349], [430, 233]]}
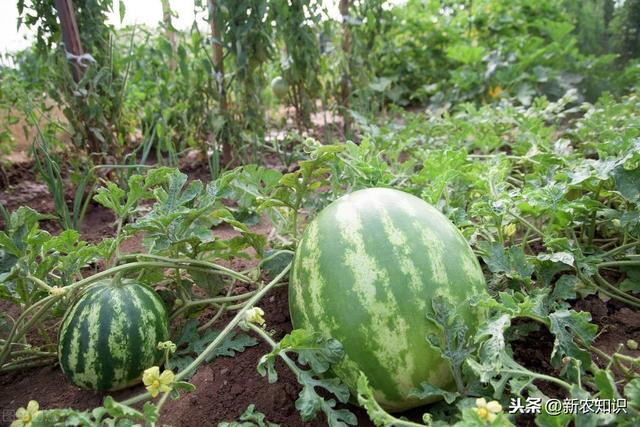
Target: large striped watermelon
{"points": [[365, 272], [110, 335]]}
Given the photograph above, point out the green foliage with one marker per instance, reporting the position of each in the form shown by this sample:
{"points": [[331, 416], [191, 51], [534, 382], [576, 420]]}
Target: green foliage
{"points": [[542, 184], [448, 54], [191, 344], [250, 418], [296, 28], [318, 354]]}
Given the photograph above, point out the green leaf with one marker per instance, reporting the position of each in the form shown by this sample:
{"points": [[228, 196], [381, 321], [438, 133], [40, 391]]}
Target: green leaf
{"points": [[121, 10], [312, 349], [211, 283], [512, 262], [607, 388], [250, 418], [427, 391], [319, 354], [632, 392], [454, 344], [116, 409], [191, 344], [564, 323], [559, 420], [276, 264], [628, 183], [565, 288], [490, 337]]}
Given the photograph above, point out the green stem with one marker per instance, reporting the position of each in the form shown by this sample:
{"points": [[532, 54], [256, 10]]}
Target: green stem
{"points": [[619, 263], [490, 156], [230, 298], [232, 324], [543, 377], [221, 336], [621, 248], [604, 282], [34, 353], [10, 367], [39, 282], [183, 263], [116, 250], [605, 291], [527, 223], [263, 334], [162, 400], [135, 399], [44, 305], [216, 316], [594, 213]]}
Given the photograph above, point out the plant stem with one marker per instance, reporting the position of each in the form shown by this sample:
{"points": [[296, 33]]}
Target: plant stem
{"points": [[39, 282], [490, 156], [605, 291], [232, 324], [46, 304], [621, 248], [263, 334], [181, 263], [619, 263], [532, 374], [135, 399], [10, 367], [527, 223], [221, 336], [602, 281]]}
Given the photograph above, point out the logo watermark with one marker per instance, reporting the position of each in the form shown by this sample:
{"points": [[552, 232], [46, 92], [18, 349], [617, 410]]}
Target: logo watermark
{"points": [[535, 405]]}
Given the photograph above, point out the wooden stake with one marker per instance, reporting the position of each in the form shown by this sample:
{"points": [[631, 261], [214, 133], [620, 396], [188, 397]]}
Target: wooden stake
{"points": [[70, 35]]}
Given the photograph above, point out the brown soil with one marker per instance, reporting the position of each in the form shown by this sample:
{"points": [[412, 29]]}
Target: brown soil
{"points": [[616, 324]]}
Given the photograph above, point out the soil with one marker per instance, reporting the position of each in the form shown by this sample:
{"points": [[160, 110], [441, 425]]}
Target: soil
{"points": [[226, 386]]}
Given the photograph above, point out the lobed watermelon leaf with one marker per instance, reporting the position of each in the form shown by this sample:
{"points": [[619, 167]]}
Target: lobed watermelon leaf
{"points": [[319, 354], [250, 418], [191, 344]]}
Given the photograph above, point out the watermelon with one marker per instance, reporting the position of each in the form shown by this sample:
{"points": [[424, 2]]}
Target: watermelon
{"points": [[365, 272], [280, 87], [109, 336]]}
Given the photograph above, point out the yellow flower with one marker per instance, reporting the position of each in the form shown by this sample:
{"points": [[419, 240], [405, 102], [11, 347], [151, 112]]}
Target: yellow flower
{"points": [[509, 230], [487, 411], [157, 382], [167, 345], [26, 416], [495, 91], [254, 315]]}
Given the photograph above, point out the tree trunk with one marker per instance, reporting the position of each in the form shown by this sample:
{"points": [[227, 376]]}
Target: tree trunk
{"points": [[345, 84], [218, 65], [70, 35]]}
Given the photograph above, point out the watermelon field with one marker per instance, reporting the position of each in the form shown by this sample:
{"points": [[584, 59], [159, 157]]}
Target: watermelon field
{"points": [[259, 213]]}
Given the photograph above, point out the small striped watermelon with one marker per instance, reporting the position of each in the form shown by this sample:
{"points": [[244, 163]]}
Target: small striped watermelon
{"points": [[365, 272], [109, 336]]}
